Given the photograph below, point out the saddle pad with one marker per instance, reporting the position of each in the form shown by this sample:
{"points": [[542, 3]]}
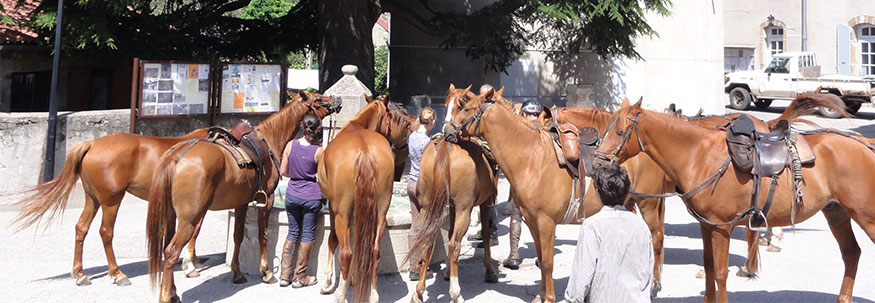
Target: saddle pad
{"points": [[806, 155], [240, 155]]}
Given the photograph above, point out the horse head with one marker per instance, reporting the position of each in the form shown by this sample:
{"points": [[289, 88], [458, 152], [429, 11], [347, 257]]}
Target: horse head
{"points": [[466, 121], [456, 99], [319, 104], [400, 125], [622, 129]]}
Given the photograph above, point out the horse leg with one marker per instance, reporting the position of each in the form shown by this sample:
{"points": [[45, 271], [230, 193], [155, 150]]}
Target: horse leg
{"points": [[840, 225], [239, 225], [107, 227], [536, 237], [375, 254], [547, 238], [263, 221], [82, 226], [328, 285], [716, 248], [191, 263], [423, 271], [171, 256], [460, 227], [342, 230], [653, 212], [491, 277]]}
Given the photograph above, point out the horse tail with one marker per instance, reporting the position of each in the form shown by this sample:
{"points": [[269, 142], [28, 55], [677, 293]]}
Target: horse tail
{"points": [[365, 217], [432, 215], [807, 104], [752, 264], [159, 217], [51, 197]]}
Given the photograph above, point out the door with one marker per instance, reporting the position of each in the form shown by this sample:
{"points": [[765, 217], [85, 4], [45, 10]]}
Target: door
{"points": [[776, 81], [843, 49]]}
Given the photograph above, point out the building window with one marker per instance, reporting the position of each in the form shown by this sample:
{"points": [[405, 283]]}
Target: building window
{"points": [[867, 49], [30, 91], [737, 59], [775, 39]]}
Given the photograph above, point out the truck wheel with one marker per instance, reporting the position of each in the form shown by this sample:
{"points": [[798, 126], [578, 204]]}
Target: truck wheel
{"points": [[826, 112], [739, 98], [763, 103], [854, 108]]}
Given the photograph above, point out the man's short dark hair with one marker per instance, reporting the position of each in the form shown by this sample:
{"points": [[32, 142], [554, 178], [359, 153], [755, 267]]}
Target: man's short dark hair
{"points": [[612, 183]]}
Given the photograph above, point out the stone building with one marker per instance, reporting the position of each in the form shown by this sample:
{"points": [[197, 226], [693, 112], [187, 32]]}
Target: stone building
{"points": [[841, 33]]}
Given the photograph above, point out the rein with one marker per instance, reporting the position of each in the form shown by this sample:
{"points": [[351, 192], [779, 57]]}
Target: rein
{"points": [[612, 157]]}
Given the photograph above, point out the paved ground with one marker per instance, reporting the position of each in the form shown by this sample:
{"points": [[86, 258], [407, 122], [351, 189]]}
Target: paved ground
{"points": [[36, 263]]}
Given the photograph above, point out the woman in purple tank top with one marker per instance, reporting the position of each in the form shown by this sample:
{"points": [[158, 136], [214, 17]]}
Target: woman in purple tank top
{"points": [[303, 200]]}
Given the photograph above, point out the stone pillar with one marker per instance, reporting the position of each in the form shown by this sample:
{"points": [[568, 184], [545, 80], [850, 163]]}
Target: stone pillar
{"points": [[353, 93]]}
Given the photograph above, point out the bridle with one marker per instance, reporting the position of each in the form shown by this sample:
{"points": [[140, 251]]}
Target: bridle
{"points": [[476, 117], [612, 157]]}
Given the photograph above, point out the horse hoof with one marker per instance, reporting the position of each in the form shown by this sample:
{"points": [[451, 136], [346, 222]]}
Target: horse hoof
{"points": [[773, 248], [459, 300], [416, 298], [201, 263], [700, 274], [83, 281], [655, 289], [491, 278], [175, 299], [268, 279], [537, 299], [123, 282], [193, 274], [327, 288], [239, 280]]}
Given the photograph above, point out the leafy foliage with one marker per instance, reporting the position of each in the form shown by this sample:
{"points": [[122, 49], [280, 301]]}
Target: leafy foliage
{"points": [[279, 30], [381, 69]]}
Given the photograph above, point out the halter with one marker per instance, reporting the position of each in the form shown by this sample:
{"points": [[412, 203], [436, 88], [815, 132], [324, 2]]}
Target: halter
{"points": [[477, 116], [612, 157]]}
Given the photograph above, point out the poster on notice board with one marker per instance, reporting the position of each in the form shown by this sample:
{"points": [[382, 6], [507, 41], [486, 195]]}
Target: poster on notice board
{"points": [[250, 88], [175, 89]]}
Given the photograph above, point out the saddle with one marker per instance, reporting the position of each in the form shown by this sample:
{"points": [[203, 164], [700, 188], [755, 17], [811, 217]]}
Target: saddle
{"points": [[249, 150], [573, 146], [767, 155]]}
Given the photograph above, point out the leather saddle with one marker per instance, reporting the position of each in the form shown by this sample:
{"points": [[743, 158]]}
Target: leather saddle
{"points": [[249, 150], [766, 155]]}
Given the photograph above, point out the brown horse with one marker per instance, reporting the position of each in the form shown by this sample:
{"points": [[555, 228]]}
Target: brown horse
{"points": [[459, 176], [191, 179], [690, 155], [355, 174], [109, 166], [651, 183]]}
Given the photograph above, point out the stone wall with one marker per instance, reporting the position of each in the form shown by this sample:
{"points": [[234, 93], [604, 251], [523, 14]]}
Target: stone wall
{"points": [[23, 137]]}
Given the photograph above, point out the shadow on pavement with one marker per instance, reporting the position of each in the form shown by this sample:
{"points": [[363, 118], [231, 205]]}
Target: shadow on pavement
{"points": [[694, 256], [137, 269], [867, 131], [770, 109], [692, 230], [788, 296]]}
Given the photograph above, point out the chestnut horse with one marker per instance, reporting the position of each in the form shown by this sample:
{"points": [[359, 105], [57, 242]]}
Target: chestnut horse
{"points": [[651, 183], [689, 155], [355, 175], [459, 176], [109, 166], [191, 179]]}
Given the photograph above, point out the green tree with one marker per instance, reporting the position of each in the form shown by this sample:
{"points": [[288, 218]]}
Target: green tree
{"points": [[381, 69], [340, 30]]}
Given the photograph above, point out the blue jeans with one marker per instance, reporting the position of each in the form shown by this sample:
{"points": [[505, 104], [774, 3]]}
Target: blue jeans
{"points": [[302, 218]]}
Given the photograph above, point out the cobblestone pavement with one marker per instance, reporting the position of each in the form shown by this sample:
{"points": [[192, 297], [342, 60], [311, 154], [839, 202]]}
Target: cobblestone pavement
{"points": [[36, 264]]}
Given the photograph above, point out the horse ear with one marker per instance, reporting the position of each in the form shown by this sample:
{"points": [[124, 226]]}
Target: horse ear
{"points": [[452, 87], [489, 94], [499, 93], [546, 115], [386, 98], [625, 102], [368, 99], [638, 104], [302, 95], [468, 88]]}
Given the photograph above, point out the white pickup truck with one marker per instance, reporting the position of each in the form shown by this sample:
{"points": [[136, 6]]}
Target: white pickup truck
{"points": [[793, 73]]}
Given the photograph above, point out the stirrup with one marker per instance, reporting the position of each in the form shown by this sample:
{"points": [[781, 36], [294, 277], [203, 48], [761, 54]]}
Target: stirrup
{"points": [[259, 199], [765, 225]]}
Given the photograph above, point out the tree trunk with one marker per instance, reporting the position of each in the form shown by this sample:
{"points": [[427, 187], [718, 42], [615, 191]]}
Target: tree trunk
{"points": [[345, 33]]}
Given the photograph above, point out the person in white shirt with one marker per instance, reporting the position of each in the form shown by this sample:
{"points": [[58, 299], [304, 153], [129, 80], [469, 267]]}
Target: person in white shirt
{"points": [[613, 261]]}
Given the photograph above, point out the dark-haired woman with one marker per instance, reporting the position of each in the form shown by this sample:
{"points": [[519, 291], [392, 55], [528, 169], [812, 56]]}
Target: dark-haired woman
{"points": [[303, 200]]}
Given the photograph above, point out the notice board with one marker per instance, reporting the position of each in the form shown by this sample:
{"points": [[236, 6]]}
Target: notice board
{"points": [[175, 89], [250, 88]]}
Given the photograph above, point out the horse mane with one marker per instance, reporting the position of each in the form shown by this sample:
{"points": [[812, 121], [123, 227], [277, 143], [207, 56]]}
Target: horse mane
{"points": [[276, 127], [599, 116], [359, 120]]}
